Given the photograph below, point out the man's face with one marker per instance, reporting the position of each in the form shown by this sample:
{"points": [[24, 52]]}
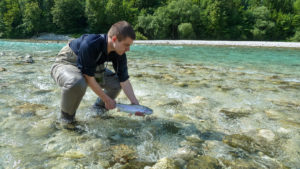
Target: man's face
{"points": [[122, 46]]}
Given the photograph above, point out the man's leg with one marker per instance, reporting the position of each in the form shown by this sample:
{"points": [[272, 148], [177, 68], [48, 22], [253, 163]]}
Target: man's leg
{"points": [[111, 86], [73, 86]]}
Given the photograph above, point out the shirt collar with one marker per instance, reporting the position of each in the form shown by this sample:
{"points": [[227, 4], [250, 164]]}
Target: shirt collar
{"points": [[105, 44]]}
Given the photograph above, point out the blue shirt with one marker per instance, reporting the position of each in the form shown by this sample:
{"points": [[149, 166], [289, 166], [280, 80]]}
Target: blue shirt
{"points": [[91, 51]]}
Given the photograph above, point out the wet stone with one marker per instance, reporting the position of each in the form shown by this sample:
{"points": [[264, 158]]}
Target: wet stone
{"points": [[28, 59], [171, 103], [123, 153], [133, 165], [268, 135], [2, 69], [73, 154], [165, 163], [289, 123], [286, 103], [168, 77], [239, 163], [225, 88], [185, 153], [204, 162], [273, 114], [29, 107], [181, 117], [250, 145], [236, 112], [181, 84], [42, 128]]}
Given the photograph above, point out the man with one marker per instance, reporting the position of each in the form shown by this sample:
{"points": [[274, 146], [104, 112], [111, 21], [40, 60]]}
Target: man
{"points": [[82, 63]]}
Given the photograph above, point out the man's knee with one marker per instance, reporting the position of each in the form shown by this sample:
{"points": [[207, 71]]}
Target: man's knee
{"points": [[76, 84]]}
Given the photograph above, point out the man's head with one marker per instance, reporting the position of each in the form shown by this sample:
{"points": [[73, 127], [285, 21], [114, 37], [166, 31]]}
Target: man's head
{"points": [[122, 36]]}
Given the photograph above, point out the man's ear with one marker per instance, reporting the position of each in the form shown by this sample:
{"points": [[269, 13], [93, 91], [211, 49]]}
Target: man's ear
{"points": [[114, 38]]}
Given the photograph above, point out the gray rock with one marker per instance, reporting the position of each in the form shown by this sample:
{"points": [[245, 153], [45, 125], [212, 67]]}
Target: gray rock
{"points": [[29, 59], [2, 69]]}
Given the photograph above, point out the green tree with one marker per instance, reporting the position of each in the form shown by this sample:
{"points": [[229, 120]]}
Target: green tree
{"points": [[95, 12], [165, 20], [186, 31], [263, 25], [118, 10], [68, 15], [12, 19], [284, 26], [32, 18], [47, 24]]}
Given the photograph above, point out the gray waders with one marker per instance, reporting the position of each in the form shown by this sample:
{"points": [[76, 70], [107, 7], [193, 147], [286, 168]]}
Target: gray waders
{"points": [[73, 85]]}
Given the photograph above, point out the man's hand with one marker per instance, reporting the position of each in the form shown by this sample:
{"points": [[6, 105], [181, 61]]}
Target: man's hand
{"points": [[91, 81], [110, 103]]}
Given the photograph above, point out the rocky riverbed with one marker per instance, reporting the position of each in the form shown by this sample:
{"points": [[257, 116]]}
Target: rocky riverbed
{"points": [[214, 107]]}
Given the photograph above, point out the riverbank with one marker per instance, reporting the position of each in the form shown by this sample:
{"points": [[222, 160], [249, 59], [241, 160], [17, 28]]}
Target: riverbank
{"points": [[221, 43], [53, 39]]}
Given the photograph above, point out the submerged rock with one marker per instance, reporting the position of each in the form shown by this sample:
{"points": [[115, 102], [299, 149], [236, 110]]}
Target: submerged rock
{"points": [[286, 103], [42, 128], [185, 153], [268, 135], [290, 123], [123, 153], [133, 165], [239, 163], [250, 145], [236, 112], [204, 162], [29, 59], [273, 114], [165, 163], [74, 154], [170, 103], [181, 117], [181, 84], [29, 108], [2, 69]]}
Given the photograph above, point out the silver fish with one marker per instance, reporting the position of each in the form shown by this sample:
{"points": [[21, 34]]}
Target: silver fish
{"points": [[137, 110]]}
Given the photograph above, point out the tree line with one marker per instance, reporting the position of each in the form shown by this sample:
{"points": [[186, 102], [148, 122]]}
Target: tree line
{"points": [[273, 20]]}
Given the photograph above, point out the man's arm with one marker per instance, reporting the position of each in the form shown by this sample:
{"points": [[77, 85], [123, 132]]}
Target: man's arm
{"points": [[91, 81], [127, 88]]}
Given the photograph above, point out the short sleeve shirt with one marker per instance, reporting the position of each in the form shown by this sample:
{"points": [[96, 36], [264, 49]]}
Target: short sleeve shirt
{"points": [[91, 50]]}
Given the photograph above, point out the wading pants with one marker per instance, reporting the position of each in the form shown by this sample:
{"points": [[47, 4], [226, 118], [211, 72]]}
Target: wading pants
{"points": [[73, 85]]}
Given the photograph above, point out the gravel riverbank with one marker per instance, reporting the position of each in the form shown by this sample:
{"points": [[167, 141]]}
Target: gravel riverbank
{"points": [[221, 43]]}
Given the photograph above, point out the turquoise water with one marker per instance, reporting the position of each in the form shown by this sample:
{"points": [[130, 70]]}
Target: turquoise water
{"points": [[232, 107]]}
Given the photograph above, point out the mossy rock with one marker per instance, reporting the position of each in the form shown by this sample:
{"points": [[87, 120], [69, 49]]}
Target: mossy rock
{"points": [[204, 162], [181, 117], [123, 153], [2, 69], [29, 108], [249, 144], [165, 163], [234, 113]]}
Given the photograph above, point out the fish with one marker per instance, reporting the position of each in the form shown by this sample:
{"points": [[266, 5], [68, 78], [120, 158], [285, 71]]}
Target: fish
{"points": [[137, 110]]}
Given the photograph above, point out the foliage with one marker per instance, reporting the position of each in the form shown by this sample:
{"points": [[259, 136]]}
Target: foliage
{"points": [[296, 37], [31, 18], [186, 31], [155, 19], [263, 25], [140, 36], [68, 15]]}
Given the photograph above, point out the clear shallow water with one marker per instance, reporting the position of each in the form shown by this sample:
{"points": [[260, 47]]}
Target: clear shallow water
{"points": [[237, 105]]}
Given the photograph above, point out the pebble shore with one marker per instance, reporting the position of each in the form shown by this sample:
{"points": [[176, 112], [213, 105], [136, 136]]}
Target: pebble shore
{"points": [[221, 43]]}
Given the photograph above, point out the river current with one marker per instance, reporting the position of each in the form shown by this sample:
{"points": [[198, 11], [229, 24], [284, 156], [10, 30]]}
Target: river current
{"points": [[214, 107]]}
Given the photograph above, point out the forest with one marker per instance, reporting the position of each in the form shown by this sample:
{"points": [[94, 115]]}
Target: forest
{"points": [[268, 20]]}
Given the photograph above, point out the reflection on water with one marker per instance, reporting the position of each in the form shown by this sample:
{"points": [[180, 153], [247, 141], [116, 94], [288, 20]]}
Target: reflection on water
{"points": [[213, 107]]}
